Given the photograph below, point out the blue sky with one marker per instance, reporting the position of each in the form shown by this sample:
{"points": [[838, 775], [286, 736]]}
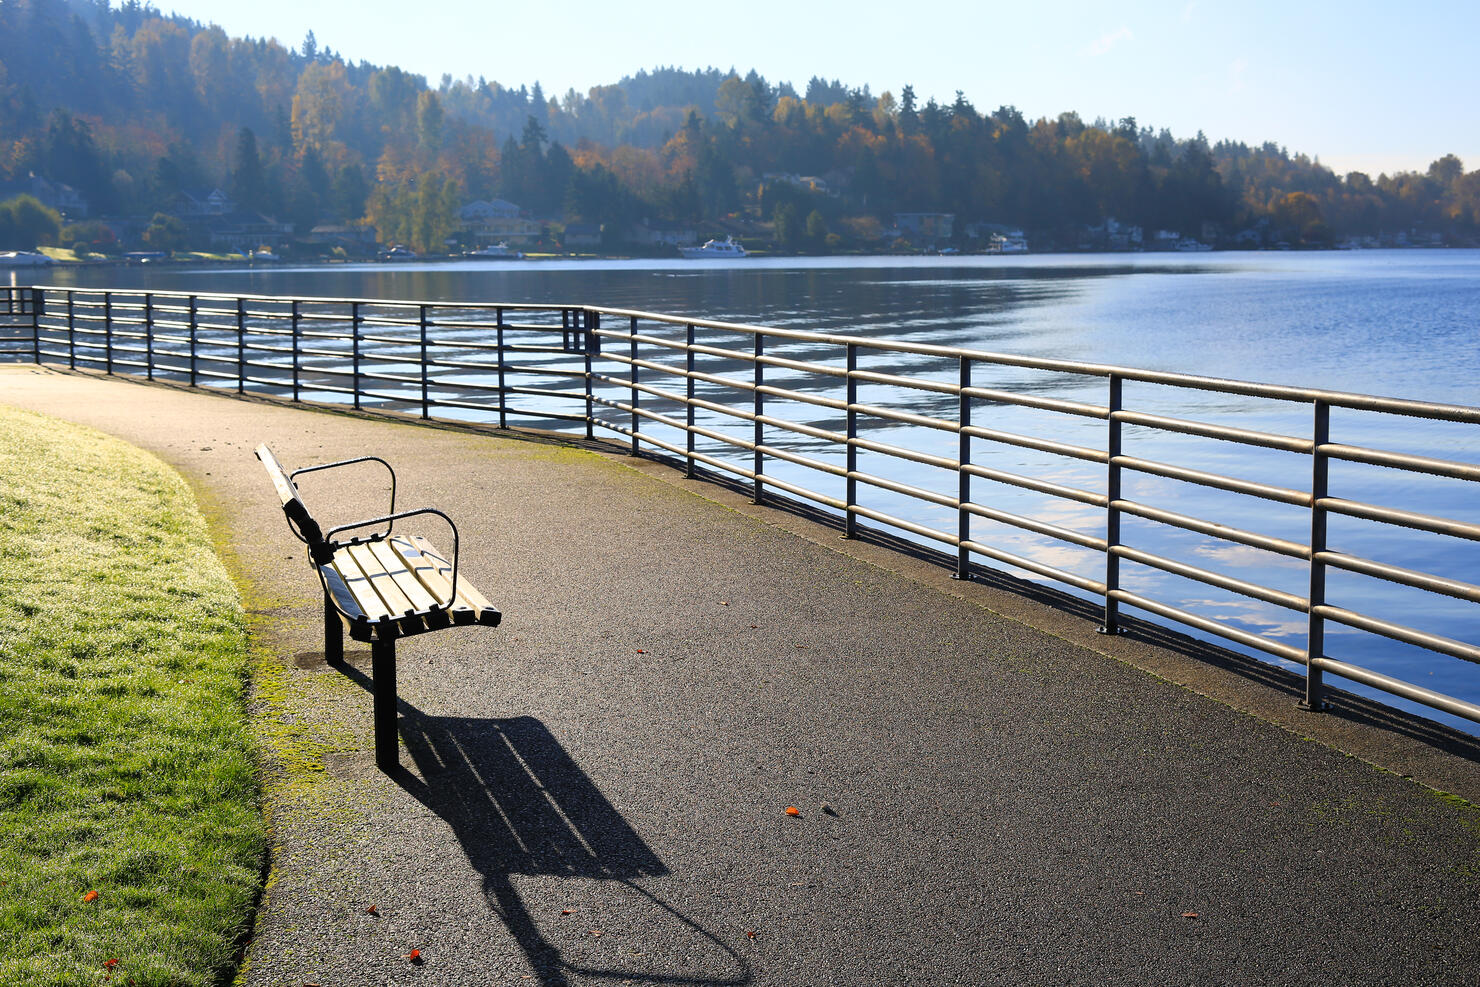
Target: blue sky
{"points": [[1362, 85]]}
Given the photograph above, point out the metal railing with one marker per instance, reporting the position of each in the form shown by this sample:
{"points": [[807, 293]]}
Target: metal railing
{"points": [[983, 450]]}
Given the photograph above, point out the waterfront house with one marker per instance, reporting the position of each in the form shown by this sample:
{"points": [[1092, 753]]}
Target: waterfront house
{"points": [[488, 221], [54, 195]]}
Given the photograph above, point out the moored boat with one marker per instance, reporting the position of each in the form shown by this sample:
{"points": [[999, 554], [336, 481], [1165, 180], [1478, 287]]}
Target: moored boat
{"points": [[714, 250]]}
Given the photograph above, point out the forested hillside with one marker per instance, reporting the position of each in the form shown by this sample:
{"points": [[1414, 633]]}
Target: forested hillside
{"points": [[134, 109]]}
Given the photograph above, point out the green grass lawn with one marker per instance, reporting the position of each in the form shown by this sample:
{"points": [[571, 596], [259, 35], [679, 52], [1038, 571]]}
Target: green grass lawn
{"points": [[126, 767]]}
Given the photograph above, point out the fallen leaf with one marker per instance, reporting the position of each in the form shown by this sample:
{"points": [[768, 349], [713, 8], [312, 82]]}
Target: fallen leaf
{"points": [[792, 810], [371, 910], [90, 896], [567, 911], [414, 956], [596, 932], [829, 809], [724, 603], [750, 933], [754, 626], [1189, 914], [109, 964], [641, 652]]}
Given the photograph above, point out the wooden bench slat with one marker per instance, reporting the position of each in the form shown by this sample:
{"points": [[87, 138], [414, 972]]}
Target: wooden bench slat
{"points": [[366, 600], [381, 580], [416, 593], [467, 594], [344, 600], [426, 570], [286, 490]]}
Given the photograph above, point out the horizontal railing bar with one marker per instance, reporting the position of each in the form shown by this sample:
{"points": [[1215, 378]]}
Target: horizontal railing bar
{"points": [[1060, 575], [1404, 519], [1243, 436], [1210, 626], [1396, 574], [1031, 401], [899, 522], [1040, 527], [1283, 495], [1253, 590], [1405, 690], [1040, 486], [895, 380], [1403, 461], [1280, 546], [1041, 445], [908, 417], [919, 493], [1400, 632], [898, 452]]}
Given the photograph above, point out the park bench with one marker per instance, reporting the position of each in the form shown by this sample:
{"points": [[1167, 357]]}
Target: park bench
{"points": [[380, 587]]}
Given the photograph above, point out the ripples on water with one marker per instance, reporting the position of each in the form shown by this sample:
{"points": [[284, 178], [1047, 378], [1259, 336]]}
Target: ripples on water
{"points": [[1396, 323]]}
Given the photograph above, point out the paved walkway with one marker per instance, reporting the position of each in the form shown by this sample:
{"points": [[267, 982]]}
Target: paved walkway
{"points": [[594, 792]]}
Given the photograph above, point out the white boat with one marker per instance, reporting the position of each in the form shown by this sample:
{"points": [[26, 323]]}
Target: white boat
{"points": [[1187, 245], [500, 250], [24, 258], [714, 250], [263, 255], [1007, 243]]}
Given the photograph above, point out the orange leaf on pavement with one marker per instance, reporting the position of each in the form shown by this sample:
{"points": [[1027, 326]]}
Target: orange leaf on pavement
{"points": [[414, 956], [1189, 914], [792, 810]]}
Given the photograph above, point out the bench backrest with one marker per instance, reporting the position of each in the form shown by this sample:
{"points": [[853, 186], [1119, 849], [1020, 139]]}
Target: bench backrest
{"points": [[299, 518]]}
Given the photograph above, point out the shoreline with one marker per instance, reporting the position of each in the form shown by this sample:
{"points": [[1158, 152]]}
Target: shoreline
{"points": [[287, 263]]}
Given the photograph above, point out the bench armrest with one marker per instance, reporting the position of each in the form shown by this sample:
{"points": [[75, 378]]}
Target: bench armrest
{"points": [[350, 462], [389, 518]]}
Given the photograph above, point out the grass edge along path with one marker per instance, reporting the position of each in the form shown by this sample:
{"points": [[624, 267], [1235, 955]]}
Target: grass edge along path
{"points": [[132, 839]]}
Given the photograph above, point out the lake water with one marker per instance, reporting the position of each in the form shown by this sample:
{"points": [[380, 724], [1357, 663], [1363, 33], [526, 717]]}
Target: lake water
{"points": [[1394, 323]]}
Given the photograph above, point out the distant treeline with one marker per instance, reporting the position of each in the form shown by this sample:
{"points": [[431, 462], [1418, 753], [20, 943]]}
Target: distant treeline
{"points": [[133, 108]]}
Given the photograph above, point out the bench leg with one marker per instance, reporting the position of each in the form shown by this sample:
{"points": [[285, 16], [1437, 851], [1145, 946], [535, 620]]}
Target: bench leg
{"points": [[333, 633], [383, 674]]}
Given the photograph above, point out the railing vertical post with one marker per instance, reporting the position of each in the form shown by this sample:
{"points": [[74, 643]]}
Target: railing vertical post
{"points": [[108, 331], [148, 335], [297, 317], [1112, 510], [759, 407], [1315, 647], [850, 520], [193, 317], [689, 395], [963, 477], [354, 332], [241, 345], [426, 401], [503, 395], [632, 367], [593, 323], [71, 333], [37, 304]]}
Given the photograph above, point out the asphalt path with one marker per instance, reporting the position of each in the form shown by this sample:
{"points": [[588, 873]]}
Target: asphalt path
{"points": [[597, 791]]}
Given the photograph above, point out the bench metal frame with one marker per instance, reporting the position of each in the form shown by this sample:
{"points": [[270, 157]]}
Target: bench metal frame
{"points": [[344, 606]]}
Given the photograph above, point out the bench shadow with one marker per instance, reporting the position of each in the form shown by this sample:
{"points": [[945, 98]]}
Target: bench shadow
{"points": [[520, 805]]}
